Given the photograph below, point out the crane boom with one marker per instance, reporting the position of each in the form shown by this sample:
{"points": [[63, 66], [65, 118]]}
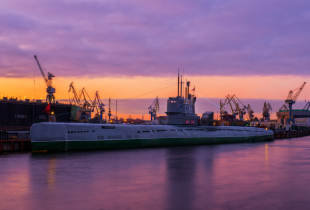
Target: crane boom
{"points": [[283, 107], [291, 99], [289, 96], [307, 106], [98, 105], [41, 70], [76, 97], [50, 98], [292, 96], [222, 110], [239, 110], [298, 92], [244, 107], [266, 108], [228, 98], [236, 104], [86, 98]]}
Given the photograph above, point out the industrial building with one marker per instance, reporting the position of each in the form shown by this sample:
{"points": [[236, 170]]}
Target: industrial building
{"points": [[20, 115], [298, 116]]}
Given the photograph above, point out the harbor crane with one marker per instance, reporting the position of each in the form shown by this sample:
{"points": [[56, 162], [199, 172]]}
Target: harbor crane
{"points": [[240, 110], [76, 97], [82, 100], [266, 115], [154, 108], [250, 112], [307, 106], [232, 102], [50, 98], [236, 108], [86, 104], [88, 107], [223, 112], [229, 100], [283, 107], [291, 99], [99, 106]]}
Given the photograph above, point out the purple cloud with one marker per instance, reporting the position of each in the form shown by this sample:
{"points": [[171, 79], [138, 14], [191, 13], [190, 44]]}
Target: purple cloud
{"points": [[132, 38]]}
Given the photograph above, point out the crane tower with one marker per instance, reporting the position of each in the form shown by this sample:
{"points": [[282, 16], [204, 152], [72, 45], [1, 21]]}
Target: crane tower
{"points": [[239, 109], [223, 111], [266, 108], [154, 108], [250, 112], [291, 99], [99, 105], [50, 98], [76, 97]]}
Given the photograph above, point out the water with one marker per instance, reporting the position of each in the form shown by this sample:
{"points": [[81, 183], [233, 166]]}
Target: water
{"points": [[272, 175]]}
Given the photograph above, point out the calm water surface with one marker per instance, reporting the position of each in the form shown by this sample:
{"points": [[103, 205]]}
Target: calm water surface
{"points": [[272, 175]]}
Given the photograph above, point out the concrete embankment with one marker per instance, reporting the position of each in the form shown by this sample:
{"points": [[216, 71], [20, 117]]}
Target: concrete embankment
{"points": [[291, 134]]}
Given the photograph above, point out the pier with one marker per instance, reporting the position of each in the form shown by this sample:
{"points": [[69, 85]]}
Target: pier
{"points": [[15, 145], [13, 141]]}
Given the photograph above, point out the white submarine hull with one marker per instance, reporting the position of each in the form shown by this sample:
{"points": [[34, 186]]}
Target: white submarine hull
{"points": [[84, 136]]}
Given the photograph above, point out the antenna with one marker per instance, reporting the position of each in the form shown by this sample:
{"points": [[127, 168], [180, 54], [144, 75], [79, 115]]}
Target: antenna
{"points": [[178, 83], [34, 80], [109, 110], [181, 87], [184, 85], [186, 91]]}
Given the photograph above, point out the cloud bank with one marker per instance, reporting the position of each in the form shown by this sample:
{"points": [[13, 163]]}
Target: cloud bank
{"points": [[153, 38]]}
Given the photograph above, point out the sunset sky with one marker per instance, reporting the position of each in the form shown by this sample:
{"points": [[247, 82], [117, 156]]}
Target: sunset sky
{"points": [[133, 49]]}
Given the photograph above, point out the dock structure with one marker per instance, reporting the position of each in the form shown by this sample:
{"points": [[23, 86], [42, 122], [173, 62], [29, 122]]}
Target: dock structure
{"points": [[12, 141], [291, 134], [283, 115], [20, 115], [15, 145]]}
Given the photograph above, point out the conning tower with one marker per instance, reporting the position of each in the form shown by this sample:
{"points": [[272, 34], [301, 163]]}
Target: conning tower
{"points": [[181, 110]]}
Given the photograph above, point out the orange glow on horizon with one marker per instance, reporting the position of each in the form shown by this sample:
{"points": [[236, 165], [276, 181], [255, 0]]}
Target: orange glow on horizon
{"points": [[271, 87]]}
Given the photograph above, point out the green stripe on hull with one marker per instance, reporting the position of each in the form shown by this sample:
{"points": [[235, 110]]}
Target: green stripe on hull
{"points": [[140, 143]]}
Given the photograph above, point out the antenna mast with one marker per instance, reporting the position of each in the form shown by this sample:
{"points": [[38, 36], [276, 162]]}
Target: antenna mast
{"points": [[181, 87], [178, 83]]}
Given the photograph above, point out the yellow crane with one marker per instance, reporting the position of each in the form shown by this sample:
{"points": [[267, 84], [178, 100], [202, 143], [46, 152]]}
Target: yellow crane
{"points": [[223, 112], [76, 98], [154, 108], [291, 99], [239, 110], [50, 98], [82, 100]]}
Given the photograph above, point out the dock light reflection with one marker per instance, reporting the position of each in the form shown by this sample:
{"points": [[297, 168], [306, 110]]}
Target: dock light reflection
{"points": [[266, 152], [266, 162], [51, 172]]}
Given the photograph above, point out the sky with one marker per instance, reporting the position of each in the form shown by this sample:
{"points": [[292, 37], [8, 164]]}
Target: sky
{"points": [[133, 49]]}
